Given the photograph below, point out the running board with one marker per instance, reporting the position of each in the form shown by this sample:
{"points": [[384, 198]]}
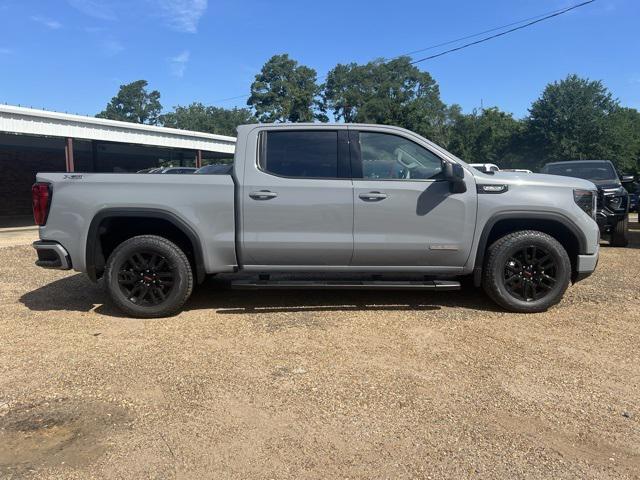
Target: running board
{"points": [[444, 285]]}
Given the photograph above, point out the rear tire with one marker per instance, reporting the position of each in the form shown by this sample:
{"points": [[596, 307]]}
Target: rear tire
{"points": [[526, 271], [620, 236], [148, 277]]}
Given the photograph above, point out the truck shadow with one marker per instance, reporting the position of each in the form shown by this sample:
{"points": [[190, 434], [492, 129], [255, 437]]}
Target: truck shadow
{"points": [[77, 293]]}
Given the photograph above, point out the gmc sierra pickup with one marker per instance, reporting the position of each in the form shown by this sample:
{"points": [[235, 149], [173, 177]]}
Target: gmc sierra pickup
{"points": [[330, 200]]}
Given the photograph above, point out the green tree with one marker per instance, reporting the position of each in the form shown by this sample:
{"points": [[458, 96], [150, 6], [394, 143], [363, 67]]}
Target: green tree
{"points": [[134, 104], [488, 136], [285, 91], [625, 139], [573, 119], [202, 118], [392, 93]]}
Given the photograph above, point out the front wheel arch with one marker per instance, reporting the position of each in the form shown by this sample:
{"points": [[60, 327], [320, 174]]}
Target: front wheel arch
{"points": [[553, 224], [526, 271]]}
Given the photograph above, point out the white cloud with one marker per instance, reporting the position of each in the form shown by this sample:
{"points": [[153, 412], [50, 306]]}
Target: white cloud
{"points": [[178, 63], [47, 22], [183, 15], [94, 8]]}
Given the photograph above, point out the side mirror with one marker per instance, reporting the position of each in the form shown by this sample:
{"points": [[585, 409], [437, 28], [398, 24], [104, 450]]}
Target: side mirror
{"points": [[454, 173], [627, 179]]}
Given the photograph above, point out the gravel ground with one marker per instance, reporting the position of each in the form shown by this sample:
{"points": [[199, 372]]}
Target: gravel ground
{"points": [[19, 236], [319, 384]]}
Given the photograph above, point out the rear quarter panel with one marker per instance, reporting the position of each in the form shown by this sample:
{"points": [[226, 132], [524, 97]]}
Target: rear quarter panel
{"points": [[204, 202]]}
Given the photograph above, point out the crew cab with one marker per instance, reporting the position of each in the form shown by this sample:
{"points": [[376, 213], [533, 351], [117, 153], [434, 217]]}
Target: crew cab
{"points": [[344, 205]]}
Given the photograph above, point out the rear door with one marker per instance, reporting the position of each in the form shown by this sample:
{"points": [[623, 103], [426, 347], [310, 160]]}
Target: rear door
{"points": [[404, 212], [297, 199]]}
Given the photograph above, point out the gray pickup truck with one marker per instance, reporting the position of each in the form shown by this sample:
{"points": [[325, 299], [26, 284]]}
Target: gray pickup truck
{"points": [[321, 206]]}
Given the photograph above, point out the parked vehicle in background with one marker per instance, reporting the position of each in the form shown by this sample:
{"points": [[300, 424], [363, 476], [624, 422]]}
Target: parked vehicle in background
{"points": [[612, 210], [175, 170], [345, 203], [634, 193], [216, 169], [171, 170], [485, 167]]}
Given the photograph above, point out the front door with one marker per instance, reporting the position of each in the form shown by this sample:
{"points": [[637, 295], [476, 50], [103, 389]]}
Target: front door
{"points": [[404, 212], [297, 199]]}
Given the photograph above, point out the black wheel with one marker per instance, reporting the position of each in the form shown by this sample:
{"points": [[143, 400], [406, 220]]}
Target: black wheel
{"points": [[148, 276], [526, 271], [620, 236]]}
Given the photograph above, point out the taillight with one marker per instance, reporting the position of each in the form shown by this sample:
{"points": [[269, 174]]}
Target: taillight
{"points": [[41, 199]]}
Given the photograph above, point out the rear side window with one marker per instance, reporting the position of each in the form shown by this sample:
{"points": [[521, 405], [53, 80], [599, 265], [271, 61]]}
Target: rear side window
{"points": [[303, 154]]}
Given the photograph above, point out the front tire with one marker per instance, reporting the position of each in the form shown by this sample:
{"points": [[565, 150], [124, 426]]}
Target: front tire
{"points": [[526, 271], [620, 236], [148, 277]]}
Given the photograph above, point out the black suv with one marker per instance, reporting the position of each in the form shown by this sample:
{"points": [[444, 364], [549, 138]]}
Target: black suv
{"points": [[612, 210]]}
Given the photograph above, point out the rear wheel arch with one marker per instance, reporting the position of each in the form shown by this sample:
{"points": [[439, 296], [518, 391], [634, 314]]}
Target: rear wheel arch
{"points": [[558, 226], [112, 226]]}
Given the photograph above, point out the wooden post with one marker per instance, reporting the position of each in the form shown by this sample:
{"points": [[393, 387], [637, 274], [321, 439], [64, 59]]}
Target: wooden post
{"points": [[68, 154], [199, 159]]}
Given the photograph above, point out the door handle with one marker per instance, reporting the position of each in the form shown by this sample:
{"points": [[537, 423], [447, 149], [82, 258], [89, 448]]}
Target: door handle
{"points": [[263, 195], [373, 196]]}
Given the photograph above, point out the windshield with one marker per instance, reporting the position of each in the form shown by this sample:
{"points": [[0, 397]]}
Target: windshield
{"points": [[586, 170]]}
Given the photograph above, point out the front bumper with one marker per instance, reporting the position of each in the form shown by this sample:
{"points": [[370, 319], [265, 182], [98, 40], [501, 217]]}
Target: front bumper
{"points": [[607, 221], [585, 266], [52, 255]]}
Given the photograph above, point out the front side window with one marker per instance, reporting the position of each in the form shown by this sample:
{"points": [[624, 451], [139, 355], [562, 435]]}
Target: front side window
{"points": [[303, 154], [389, 157]]}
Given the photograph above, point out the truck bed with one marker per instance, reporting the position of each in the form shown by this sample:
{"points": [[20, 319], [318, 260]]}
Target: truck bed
{"points": [[204, 202]]}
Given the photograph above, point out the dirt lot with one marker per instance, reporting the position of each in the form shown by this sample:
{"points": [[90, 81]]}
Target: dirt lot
{"points": [[319, 384]]}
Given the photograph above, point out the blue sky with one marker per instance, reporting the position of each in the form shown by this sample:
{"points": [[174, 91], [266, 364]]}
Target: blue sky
{"points": [[71, 55]]}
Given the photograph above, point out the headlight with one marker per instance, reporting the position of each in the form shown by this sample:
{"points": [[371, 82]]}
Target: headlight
{"points": [[586, 200], [614, 202]]}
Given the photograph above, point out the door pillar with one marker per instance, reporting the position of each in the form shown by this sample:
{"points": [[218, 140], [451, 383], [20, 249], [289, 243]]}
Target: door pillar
{"points": [[68, 154]]}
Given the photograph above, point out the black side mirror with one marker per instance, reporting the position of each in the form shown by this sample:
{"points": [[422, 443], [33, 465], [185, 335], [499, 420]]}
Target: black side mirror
{"points": [[454, 173], [626, 179]]}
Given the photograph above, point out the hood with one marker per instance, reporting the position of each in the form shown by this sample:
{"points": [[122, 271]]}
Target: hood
{"points": [[539, 179], [606, 184]]}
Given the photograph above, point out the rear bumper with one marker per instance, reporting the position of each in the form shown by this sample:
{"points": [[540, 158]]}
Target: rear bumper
{"points": [[52, 255]]}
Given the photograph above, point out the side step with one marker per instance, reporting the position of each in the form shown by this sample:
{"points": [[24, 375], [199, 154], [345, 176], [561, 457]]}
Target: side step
{"points": [[444, 285]]}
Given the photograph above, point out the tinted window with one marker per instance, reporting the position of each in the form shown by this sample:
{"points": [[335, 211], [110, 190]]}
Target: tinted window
{"points": [[389, 157], [301, 154]]}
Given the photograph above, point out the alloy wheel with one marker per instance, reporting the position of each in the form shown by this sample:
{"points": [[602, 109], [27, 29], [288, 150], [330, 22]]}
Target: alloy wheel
{"points": [[146, 278], [530, 273]]}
